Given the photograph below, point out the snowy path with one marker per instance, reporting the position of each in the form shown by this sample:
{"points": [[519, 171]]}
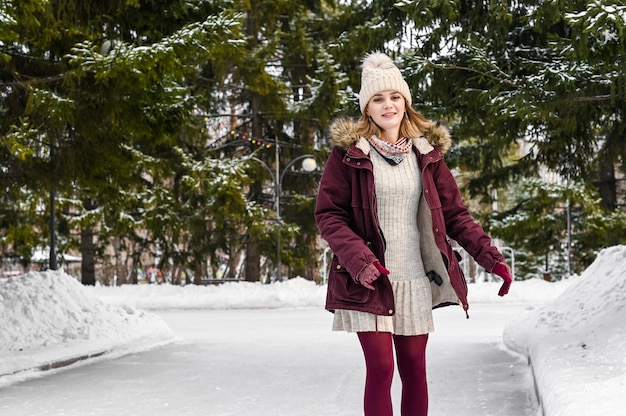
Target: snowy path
{"points": [[281, 362]]}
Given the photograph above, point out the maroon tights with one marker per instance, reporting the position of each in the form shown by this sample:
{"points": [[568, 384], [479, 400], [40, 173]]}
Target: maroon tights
{"points": [[411, 358]]}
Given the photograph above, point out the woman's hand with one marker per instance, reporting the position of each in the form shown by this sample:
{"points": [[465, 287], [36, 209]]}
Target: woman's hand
{"points": [[370, 273], [504, 271]]}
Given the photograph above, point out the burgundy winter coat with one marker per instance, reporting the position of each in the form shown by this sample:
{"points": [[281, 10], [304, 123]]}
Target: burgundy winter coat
{"points": [[346, 215]]}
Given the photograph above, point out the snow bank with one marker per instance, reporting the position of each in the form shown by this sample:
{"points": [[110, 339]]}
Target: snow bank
{"points": [[297, 292], [294, 293], [49, 317], [577, 343], [531, 292]]}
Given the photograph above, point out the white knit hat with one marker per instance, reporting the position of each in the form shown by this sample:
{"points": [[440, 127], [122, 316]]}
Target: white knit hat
{"points": [[381, 74]]}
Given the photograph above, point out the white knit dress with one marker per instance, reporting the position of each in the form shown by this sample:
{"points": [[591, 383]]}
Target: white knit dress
{"points": [[398, 191]]}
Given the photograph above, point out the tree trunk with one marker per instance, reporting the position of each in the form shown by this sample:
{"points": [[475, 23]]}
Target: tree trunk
{"points": [[607, 187], [88, 264], [253, 261], [472, 269], [312, 271], [88, 249], [607, 183], [253, 258], [232, 265]]}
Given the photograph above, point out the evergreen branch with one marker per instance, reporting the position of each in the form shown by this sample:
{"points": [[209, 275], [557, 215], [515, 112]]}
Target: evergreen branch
{"points": [[596, 98], [35, 81], [474, 70]]}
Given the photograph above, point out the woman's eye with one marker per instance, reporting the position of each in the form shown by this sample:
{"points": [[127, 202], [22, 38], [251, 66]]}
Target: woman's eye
{"points": [[395, 97]]}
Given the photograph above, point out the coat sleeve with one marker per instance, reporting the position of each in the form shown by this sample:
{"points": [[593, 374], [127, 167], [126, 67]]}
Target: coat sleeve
{"points": [[460, 225], [334, 216]]}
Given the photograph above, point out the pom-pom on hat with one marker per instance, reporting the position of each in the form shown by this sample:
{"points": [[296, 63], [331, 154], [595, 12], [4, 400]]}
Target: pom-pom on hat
{"points": [[381, 74]]}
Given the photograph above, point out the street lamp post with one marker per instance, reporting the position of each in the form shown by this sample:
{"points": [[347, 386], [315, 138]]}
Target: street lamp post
{"points": [[309, 165]]}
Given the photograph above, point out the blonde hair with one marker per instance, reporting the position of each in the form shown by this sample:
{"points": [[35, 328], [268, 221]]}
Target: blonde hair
{"points": [[412, 127]]}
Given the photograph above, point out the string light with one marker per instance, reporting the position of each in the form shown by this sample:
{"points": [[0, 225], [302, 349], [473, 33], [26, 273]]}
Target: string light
{"points": [[265, 143], [233, 136]]}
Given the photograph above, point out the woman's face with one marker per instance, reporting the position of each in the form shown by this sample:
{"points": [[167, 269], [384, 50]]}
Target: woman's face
{"points": [[387, 109]]}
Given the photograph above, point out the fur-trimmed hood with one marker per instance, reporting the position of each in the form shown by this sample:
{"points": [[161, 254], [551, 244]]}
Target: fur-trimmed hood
{"points": [[343, 134]]}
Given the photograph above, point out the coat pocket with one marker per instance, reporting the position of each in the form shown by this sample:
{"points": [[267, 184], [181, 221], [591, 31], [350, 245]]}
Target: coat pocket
{"points": [[343, 288]]}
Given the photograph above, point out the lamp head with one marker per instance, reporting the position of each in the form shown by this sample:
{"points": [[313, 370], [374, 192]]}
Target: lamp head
{"points": [[309, 164]]}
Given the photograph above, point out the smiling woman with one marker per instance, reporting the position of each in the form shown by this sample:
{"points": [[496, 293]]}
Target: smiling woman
{"points": [[386, 205]]}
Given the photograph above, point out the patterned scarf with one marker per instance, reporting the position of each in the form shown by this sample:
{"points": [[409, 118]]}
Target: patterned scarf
{"points": [[392, 153]]}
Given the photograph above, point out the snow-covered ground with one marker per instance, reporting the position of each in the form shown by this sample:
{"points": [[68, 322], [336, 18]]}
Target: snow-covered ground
{"points": [[572, 331]]}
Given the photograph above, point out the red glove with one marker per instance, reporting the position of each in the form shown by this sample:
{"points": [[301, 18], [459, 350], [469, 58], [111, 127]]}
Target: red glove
{"points": [[381, 268], [503, 270], [370, 273]]}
